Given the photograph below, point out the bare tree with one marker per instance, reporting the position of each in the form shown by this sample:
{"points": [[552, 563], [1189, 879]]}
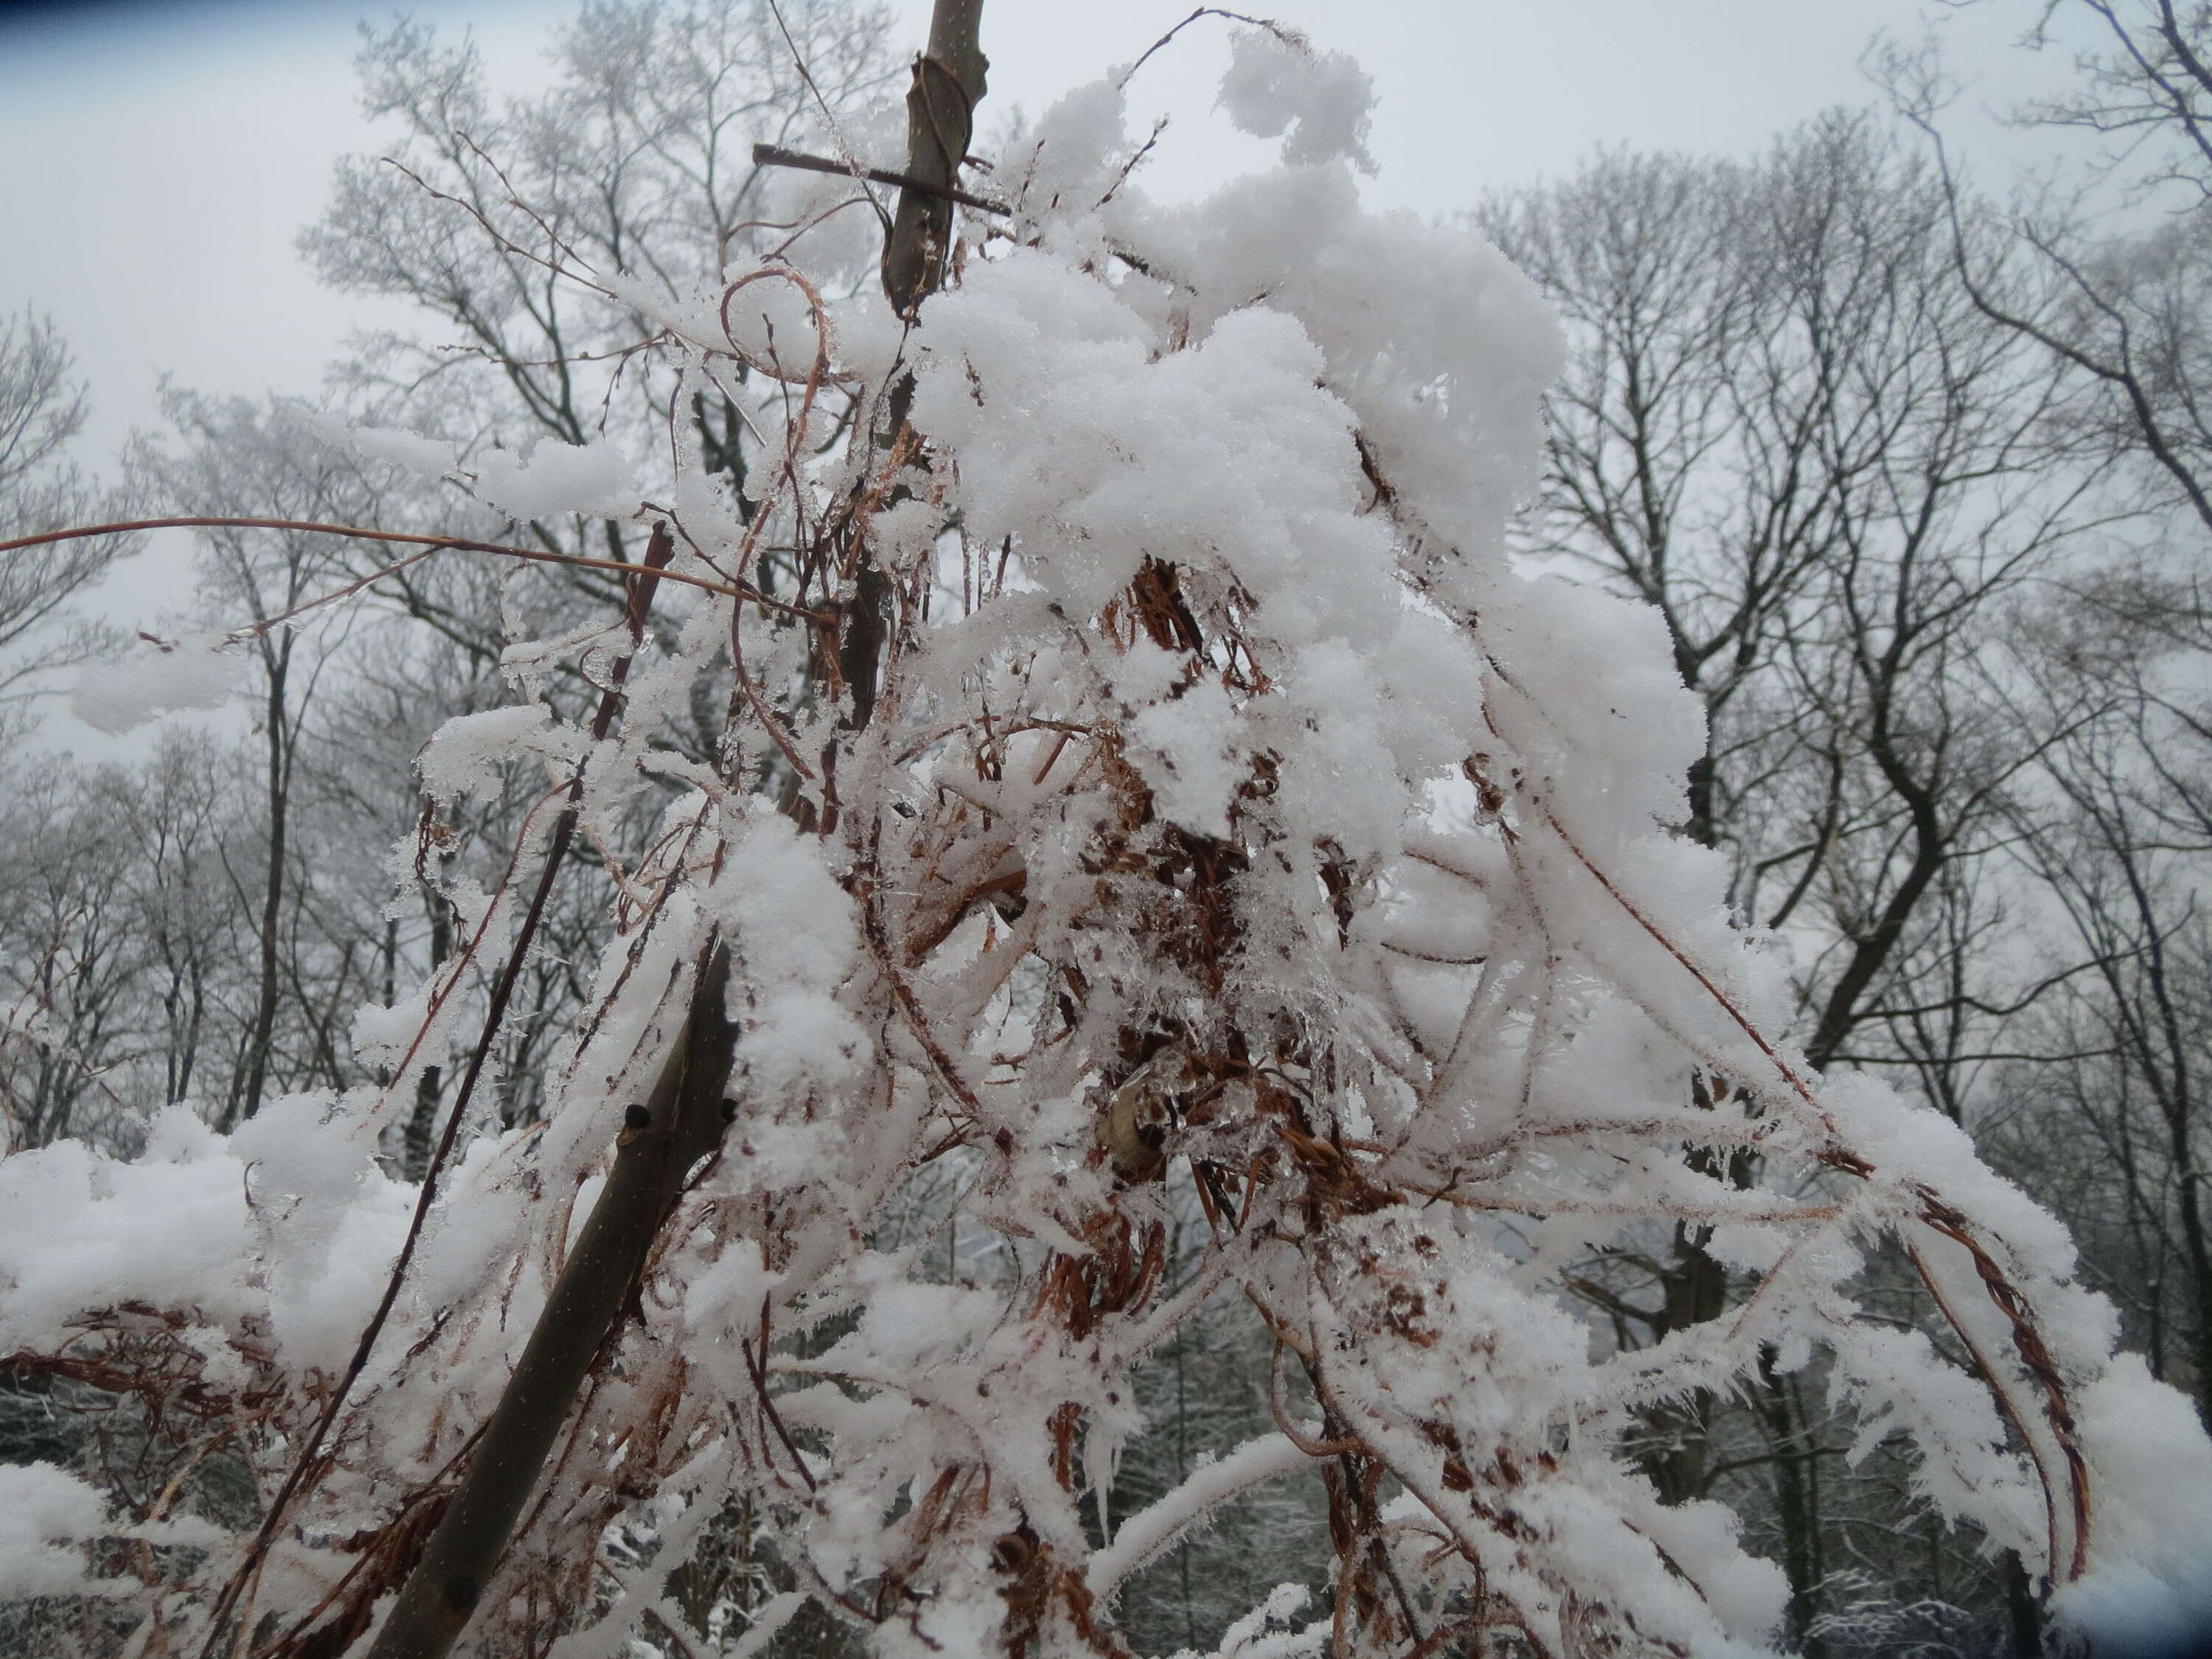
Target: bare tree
{"points": [[1786, 426], [2121, 842], [73, 950], [636, 167], [2106, 269], [2117, 295], [42, 408], [228, 450], [121, 938], [178, 810]]}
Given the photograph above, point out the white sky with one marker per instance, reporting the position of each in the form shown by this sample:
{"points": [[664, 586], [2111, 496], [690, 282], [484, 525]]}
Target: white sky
{"points": [[156, 160]]}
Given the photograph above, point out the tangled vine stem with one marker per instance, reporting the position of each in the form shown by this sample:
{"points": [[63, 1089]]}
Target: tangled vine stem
{"points": [[2028, 1344]]}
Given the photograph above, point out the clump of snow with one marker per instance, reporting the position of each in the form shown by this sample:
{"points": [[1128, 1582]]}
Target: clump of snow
{"points": [[382, 1037], [555, 478], [794, 937], [159, 677], [1183, 750], [329, 1221], [46, 1516], [1242, 1639], [726, 1295], [464, 755], [432, 457], [80, 1230], [2149, 1590], [1278, 82], [1068, 166]]}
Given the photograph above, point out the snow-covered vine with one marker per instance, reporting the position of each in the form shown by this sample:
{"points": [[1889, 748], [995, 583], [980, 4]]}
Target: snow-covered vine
{"points": [[1141, 765]]}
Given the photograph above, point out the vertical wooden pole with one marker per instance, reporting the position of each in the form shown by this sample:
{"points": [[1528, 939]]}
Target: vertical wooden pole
{"points": [[949, 81], [940, 119]]}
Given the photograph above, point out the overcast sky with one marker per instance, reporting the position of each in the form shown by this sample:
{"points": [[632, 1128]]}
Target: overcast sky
{"points": [[156, 160]]}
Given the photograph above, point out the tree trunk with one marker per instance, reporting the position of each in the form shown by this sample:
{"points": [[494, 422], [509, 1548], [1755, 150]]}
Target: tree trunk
{"points": [[2021, 1610], [272, 894], [422, 1131], [1796, 1501], [940, 118]]}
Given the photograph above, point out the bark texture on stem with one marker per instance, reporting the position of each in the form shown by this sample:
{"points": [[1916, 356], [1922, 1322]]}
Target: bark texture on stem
{"points": [[682, 1123], [940, 118], [949, 80]]}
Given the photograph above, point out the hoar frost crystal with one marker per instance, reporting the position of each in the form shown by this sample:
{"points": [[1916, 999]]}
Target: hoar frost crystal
{"points": [[1222, 817]]}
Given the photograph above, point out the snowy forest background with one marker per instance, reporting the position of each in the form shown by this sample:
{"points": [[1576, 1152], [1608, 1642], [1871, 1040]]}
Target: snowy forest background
{"points": [[1920, 479]]}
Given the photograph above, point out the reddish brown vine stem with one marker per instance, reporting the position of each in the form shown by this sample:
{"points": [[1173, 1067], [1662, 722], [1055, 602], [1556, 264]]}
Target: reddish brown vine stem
{"points": [[429, 544]]}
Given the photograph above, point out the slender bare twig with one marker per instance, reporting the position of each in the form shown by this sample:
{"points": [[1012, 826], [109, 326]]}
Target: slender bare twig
{"points": [[774, 155], [1289, 37], [361, 532]]}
